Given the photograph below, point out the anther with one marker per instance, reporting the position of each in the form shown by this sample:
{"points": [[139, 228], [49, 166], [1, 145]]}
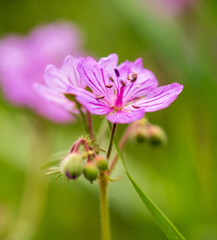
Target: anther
{"points": [[133, 77], [109, 85], [100, 97], [111, 79], [117, 72], [135, 106], [123, 83]]}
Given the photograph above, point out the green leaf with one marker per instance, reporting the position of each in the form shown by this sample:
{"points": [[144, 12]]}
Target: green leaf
{"points": [[166, 225]]}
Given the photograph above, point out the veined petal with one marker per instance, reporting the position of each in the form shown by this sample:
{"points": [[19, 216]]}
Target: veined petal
{"points": [[109, 63], [127, 67], [97, 79], [144, 83], [125, 116], [62, 78], [161, 97], [91, 103], [55, 97]]}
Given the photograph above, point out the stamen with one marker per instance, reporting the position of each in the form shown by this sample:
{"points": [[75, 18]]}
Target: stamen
{"points": [[133, 77], [109, 85], [117, 72], [135, 106], [111, 79], [123, 83], [115, 91], [100, 97]]}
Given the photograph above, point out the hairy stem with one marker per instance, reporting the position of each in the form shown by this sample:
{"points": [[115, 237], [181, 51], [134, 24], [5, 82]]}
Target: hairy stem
{"points": [[105, 226], [89, 125]]}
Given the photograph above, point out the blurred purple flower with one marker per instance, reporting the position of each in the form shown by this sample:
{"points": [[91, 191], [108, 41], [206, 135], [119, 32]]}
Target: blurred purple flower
{"points": [[123, 93], [22, 62]]}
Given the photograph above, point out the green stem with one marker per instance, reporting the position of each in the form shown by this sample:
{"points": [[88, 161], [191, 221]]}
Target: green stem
{"points": [[105, 226], [111, 140], [89, 125], [123, 141]]}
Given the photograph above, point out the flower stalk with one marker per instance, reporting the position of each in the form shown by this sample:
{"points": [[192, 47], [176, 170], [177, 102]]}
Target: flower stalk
{"points": [[122, 143], [114, 127], [105, 225], [89, 125], [103, 184]]}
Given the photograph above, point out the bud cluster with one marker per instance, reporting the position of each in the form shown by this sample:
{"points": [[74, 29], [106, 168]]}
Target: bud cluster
{"points": [[85, 161], [144, 131]]}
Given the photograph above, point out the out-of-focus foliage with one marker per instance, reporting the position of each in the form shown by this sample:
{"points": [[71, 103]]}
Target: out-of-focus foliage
{"points": [[180, 178]]}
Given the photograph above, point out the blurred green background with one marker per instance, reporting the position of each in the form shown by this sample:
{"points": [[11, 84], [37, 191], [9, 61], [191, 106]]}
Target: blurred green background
{"points": [[178, 46]]}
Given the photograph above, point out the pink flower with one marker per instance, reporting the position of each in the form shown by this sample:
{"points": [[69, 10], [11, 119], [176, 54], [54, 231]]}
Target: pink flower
{"points": [[122, 93], [22, 63], [60, 81]]}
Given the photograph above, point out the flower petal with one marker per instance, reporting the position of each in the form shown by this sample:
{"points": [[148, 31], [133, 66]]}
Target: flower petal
{"points": [[109, 63], [127, 67], [55, 97], [97, 79], [144, 83], [65, 77], [91, 103], [161, 97], [126, 116]]}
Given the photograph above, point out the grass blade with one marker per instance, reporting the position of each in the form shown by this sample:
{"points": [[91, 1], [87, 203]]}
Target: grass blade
{"points": [[166, 225]]}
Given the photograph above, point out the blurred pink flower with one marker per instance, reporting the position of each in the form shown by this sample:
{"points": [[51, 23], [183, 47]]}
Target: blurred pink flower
{"points": [[23, 60], [123, 93]]}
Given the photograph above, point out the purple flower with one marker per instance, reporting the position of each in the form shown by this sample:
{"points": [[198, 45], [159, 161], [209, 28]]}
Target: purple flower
{"points": [[22, 63], [123, 93], [60, 81]]}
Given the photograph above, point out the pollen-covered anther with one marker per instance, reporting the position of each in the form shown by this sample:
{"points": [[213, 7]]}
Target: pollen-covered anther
{"points": [[133, 77], [111, 79], [117, 72], [135, 106], [123, 83], [109, 85], [100, 97]]}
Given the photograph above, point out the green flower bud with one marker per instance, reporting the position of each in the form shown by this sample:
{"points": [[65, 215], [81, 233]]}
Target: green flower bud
{"points": [[72, 165], [101, 163], [157, 136], [141, 134], [90, 171]]}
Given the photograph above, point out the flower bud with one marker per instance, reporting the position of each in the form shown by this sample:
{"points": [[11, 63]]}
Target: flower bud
{"points": [[72, 165], [90, 171], [157, 136], [101, 162], [141, 134]]}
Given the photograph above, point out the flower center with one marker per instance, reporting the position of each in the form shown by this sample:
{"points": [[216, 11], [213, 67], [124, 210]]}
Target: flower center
{"points": [[120, 91]]}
